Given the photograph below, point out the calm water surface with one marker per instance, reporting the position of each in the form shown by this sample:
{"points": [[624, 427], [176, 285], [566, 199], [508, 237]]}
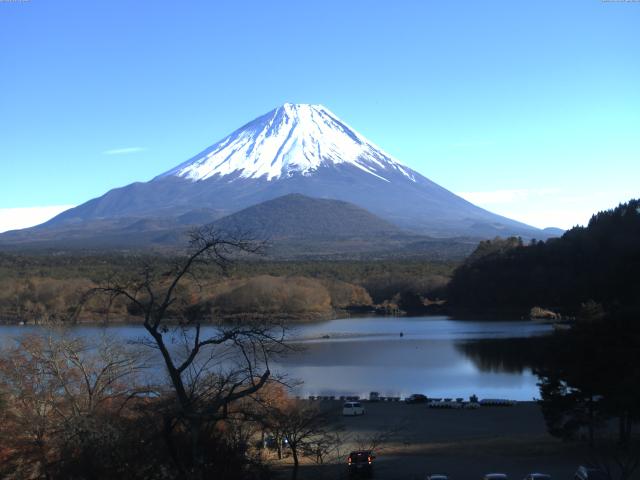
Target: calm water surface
{"points": [[354, 356]]}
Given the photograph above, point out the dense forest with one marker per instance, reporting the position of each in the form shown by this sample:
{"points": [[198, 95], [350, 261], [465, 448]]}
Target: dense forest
{"points": [[46, 288], [587, 268], [588, 271]]}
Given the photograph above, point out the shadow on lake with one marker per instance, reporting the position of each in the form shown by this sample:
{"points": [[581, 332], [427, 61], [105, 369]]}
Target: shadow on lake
{"points": [[510, 355]]}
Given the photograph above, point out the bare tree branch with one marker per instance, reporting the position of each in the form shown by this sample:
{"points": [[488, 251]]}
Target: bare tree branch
{"points": [[213, 370]]}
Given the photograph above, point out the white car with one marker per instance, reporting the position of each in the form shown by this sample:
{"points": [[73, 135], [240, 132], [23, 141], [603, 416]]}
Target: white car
{"points": [[495, 476], [352, 408], [537, 476]]}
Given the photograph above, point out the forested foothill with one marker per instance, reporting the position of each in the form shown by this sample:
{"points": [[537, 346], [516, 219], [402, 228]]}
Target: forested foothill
{"points": [[48, 288], [589, 373], [589, 269], [592, 267]]}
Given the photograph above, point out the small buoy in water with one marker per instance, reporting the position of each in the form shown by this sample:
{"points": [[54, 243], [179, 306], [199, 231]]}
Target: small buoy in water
{"points": [[401, 334]]}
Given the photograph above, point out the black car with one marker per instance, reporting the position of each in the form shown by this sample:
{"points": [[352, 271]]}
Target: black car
{"points": [[360, 463], [416, 398]]}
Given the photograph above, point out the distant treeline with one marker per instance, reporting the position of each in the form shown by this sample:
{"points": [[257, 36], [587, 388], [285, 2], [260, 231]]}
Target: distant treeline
{"points": [[591, 266], [46, 288], [589, 269]]}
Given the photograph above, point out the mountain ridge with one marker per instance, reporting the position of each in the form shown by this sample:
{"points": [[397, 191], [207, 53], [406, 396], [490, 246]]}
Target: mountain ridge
{"points": [[293, 227], [294, 149]]}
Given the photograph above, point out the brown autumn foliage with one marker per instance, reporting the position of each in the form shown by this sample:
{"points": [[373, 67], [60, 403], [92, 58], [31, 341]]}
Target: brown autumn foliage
{"points": [[266, 294], [47, 289], [345, 295], [292, 426], [45, 300], [73, 410], [59, 396]]}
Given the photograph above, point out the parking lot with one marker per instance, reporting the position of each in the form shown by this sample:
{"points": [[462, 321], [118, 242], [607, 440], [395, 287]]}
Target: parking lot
{"points": [[464, 443]]}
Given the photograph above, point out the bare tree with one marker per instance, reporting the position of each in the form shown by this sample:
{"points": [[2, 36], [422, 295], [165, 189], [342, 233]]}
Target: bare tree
{"points": [[211, 367], [304, 427], [55, 389], [617, 461], [30, 401], [377, 440]]}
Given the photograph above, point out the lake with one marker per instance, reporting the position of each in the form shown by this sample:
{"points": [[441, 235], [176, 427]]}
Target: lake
{"points": [[353, 356]]}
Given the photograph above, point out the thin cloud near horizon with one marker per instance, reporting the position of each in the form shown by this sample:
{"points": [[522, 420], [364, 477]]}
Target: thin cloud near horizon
{"points": [[124, 151], [548, 207], [25, 217]]}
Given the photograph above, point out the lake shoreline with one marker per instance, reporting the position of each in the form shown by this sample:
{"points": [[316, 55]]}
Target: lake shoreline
{"points": [[505, 315], [224, 319], [395, 356]]}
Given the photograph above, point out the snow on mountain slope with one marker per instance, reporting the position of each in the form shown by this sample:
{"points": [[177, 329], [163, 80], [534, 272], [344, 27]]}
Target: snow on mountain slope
{"points": [[289, 140], [294, 149]]}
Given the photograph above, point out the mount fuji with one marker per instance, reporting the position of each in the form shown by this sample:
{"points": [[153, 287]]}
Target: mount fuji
{"points": [[293, 149], [288, 141]]}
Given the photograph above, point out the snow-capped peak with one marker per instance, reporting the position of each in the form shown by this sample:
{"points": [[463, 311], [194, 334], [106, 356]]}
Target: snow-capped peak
{"points": [[294, 139]]}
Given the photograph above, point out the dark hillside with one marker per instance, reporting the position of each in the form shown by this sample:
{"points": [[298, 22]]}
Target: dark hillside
{"points": [[599, 262], [295, 226], [299, 216]]}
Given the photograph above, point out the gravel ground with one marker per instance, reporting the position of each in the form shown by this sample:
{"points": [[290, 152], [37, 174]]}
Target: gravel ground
{"points": [[465, 444]]}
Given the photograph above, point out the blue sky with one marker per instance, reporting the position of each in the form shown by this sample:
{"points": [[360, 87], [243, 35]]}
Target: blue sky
{"points": [[529, 109]]}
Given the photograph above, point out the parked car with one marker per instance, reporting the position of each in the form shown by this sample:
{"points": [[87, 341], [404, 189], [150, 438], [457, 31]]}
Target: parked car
{"points": [[374, 397], [437, 476], [270, 442], [497, 402], [446, 404], [352, 408], [416, 398], [495, 476], [360, 463], [586, 473], [537, 476]]}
